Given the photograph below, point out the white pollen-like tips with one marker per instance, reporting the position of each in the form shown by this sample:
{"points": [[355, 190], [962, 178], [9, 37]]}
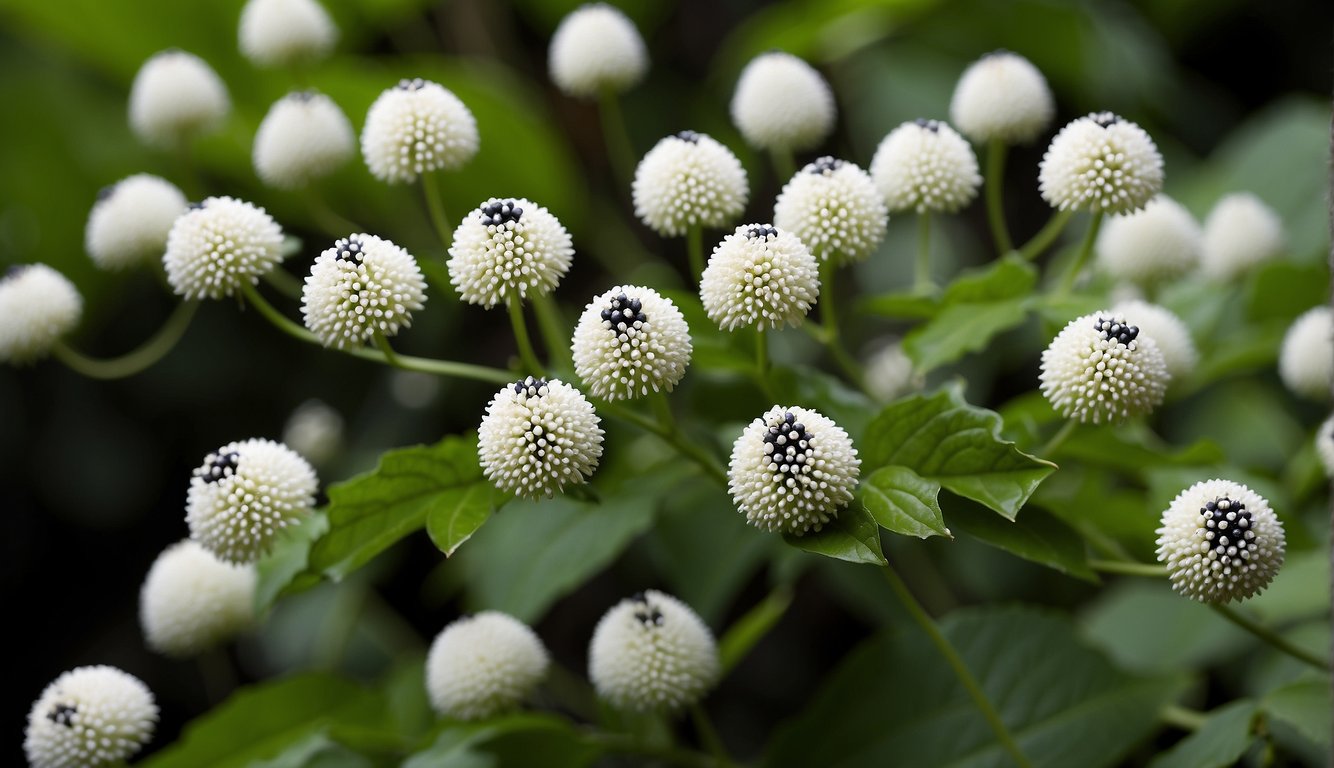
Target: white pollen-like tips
{"points": [[414, 128], [835, 209], [687, 180], [1167, 331], [792, 469], [1306, 360], [1239, 233], [219, 245], [192, 601], [596, 49], [89, 717], [1151, 246], [652, 653], [484, 665], [361, 286], [1220, 542], [281, 33], [244, 494], [1002, 97], [762, 276], [38, 305], [630, 341], [926, 167], [537, 437], [176, 97], [781, 103], [1100, 368], [128, 224], [1101, 163], [305, 136], [507, 249]]}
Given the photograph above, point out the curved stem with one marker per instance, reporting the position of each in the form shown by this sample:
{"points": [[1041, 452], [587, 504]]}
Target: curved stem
{"points": [[1081, 258], [1126, 568], [151, 351], [285, 283], [695, 247], [956, 662], [1269, 636], [1058, 439], [617, 139], [829, 315], [551, 324], [708, 735], [922, 280], [1046, 236], [996, 150], [389, 354], [784, 166], [435, 206], [1180, 717], [672, 436], [526, 353]]}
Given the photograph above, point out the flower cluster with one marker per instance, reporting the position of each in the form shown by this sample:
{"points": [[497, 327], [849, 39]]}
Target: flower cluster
{"points": [[361, 287], [835, 209], [538, 436], [1101, 368], [507, 249], [652, 653], [1220, 542], [689, 180], [630, 341], [1101, 162], [90, 717], [762, 276]]}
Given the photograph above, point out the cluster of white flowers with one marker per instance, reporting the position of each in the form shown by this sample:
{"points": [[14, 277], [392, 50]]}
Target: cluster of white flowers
{"points": [[652, 653], [1220, 542], [1101, 368], [90, 717], [596, 49], [417, 127], [128, 224], [220, 245], [689, 180], [507, 249], [1151, 246], [305, 136], [630, 341], [483, 665], [191, 600], [759, 276], [38, 305], [1101, 163], [538, 436], [925, 167], [360, 287], [835, 209], [781, 103]]}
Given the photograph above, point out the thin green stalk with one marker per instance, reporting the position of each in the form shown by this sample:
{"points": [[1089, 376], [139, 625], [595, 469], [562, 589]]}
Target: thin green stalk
{"points": [[218, 674], [150, 352], [389, 354], [784, 166], [1180, 717], [956, 662], [327, 219], [1058, 439], [1082, 257], [922, 280], [435, 206], [761, 354], [695, 247], [748, 630], [672, 436], [526, 353], [1046, 236], [617, 138], [284, 282], [829, 315], [708, 735], [1125, 568], [996, 150], [551, 324], [1269, 636]]}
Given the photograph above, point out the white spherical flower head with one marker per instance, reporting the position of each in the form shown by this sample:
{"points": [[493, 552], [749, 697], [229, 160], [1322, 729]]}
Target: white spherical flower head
{"points": [[417, 127], [1159, 243], [537, 437], [630, 341], [484, 665], [1240, 232], [596, 49], [762, 276], [1101, 163], [1002, 97], [279, 33], [1220, 542], [244, 494], [689, 180], [1101, 368], [362, 286], [175, 97], [89, 717], [129, 223], [507, 249], [1324, 445], [305, 136], [652, 653], [219, 245], [782, 103], [835, 209], [924, 166], [38, 305], [792, 469], [314, 430], [890, 374], [1306, 360], [1167, 331], [191, 600]]}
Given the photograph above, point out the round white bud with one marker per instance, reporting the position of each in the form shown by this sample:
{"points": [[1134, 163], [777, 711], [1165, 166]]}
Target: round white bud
{"points": [[835, 209], [417, 127], [1002, 96], [305, 136], [219, 245], [1100, 368], [1306, 360], [507, 249], [1240, 232], [652, 653], [537, 437], [89, 717], [782, 103], [1151, 246], [314, 430], [596, 49], [924, 166], [689, 180], [630, 341], [192, 601], [38, 305], [762, 276], [280, 33], [1167, 331], [128, 224], [484, 665], [1101, 162], [890, 374], [1220, 542], [362, 286], [175, 97]]}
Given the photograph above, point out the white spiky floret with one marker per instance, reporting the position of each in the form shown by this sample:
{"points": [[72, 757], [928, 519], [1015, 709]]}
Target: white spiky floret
{"points": [[414, 128], [1167, 331], [314, 430], [38, 305], [507, 249], [792, 469], [596, 49], [1306, 360], [279, 33], [1151, 246], [1100, 368], [926, 167], [175, 97], [688, 180], [1102, 163], [782, 103], [362, 286], [537, 437], [483, 665], [305, 136], [890, 373], [244, 494], [833, 207], [762, 276], [90, 717], [1220, 542], [652, 653], [128, 224], [220, 245], [191, 601], [630, 340], [1324, 445], [1239, 233], [1002, 96]]}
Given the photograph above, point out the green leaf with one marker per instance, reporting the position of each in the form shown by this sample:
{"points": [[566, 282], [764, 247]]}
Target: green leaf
{"points": [[1219, 743], [1186, 634], [459, 514], [1054, 694], [1302, 286], [1133, 447], [498, 741], [853, 536], [1009, 277], [902, 501], [1035, 535], [1305, 706], [1300, 590], [283, 570], [315, 751], [960, 329], [944, 439], [813, 388]]}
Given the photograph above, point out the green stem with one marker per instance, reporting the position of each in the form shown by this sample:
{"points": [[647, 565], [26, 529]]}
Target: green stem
{"points": [[435, 206], [327, 219], [761, 354], [708, 735], [628, 745], [1180, 717], [996, 150], [1057, 440], [922, 281], [1046, 236], [784, 166], [829, 314], [526, 353], [1269, 636], [672, 436], [695, 247], [389, 353], [748, 630], [285, 283], [1125, 568], [153, 350], [551, 324], [218, 674], [1082, 257], [617, 139], [956, 662]]}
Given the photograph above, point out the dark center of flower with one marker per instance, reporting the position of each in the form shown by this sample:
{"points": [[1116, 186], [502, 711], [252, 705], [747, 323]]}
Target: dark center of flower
{"points": [[199, 205], [530, 387], [1105, 119], [689, 136], [1112, 330], [62, 714], [997, 52], [219, 465], [302, 96], [623, 313], [762, 232], [106, 192], [1227, 526], [500, 212], [349, 249], [645, 612], [930, 125], [14, 270], [824, 164], [788, 444], [413, 84]]}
